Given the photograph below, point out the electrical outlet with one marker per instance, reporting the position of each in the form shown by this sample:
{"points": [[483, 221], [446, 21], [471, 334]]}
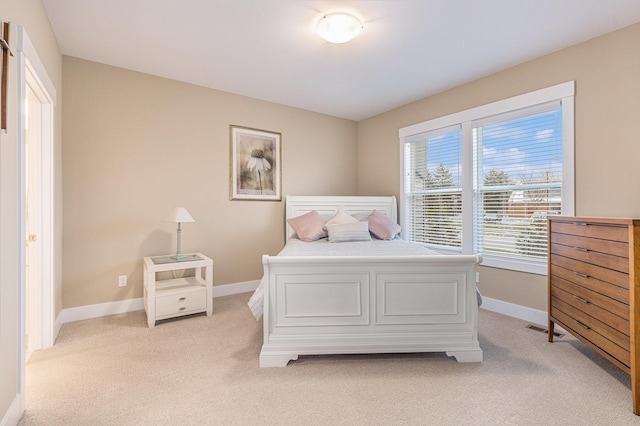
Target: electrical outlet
{"points": [[122, 281], [477, 277]]}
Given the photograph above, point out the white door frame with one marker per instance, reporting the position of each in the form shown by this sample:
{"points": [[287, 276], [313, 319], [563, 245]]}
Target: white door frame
{"points": [[32, 71]]}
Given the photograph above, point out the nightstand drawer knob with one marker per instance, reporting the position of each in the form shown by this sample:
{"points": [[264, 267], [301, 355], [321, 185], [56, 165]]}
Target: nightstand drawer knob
{"points": [[182, 299], [182, 308]]}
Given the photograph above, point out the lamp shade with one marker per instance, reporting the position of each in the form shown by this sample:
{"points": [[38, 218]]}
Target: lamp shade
{"points": [[339, 27], [179, 215]]}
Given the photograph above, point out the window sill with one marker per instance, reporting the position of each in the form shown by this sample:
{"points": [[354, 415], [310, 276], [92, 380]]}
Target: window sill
{"points": [[530, 267]]}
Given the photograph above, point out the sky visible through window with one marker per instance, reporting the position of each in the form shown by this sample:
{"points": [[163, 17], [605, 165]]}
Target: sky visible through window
{"points": [[527, 149]]}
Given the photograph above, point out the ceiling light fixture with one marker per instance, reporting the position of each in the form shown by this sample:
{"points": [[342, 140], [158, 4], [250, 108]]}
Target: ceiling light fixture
{"points": [[339, 27]]}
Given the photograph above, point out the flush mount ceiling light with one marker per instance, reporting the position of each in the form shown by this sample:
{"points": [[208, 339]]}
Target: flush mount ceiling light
{"points": [[339, 27]]}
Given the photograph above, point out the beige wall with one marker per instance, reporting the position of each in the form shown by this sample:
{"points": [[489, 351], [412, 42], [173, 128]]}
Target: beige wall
{"points": [[136, 146], [606, 71], [31, 15]]}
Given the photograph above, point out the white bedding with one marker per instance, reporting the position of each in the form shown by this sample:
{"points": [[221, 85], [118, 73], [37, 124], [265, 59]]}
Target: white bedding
{"points": [[323, 247], [375, 247]]}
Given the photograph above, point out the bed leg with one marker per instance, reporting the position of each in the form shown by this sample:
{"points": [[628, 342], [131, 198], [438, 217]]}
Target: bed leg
{"points": [[466, 356], [276, 360]]}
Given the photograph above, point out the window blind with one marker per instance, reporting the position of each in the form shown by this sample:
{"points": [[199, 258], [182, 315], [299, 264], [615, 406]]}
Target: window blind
{"points": [[517, 180], [433, 188]]}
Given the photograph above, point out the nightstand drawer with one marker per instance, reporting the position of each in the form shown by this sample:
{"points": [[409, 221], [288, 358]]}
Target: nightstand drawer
{"points": [[182, 303]]}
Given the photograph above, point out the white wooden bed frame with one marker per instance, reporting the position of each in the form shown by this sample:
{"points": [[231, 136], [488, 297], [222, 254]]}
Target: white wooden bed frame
{"points": [[358, 305]]}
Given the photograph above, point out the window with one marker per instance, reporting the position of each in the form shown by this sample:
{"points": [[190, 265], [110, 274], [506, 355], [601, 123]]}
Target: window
{"points": [[434, 189], [484, 180]]}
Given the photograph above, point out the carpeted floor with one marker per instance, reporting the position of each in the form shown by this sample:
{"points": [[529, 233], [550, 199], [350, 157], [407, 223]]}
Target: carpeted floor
{"points": [[205, 371]]}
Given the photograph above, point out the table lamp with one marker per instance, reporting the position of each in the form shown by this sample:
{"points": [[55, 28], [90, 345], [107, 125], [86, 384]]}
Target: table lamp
{"points": [[179, 215]]}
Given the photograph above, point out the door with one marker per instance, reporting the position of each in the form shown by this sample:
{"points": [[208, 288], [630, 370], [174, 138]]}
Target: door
{"points": [[33, 221], [36, 104]]}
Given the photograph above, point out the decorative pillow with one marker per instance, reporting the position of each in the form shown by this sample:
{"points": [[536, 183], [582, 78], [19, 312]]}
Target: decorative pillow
{"points": [[382, 226], [342, 217], [345, 232], [361, 216], [308, 227]]}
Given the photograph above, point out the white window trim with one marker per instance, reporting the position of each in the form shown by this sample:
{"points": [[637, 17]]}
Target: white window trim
{"points": [[564, 92]]}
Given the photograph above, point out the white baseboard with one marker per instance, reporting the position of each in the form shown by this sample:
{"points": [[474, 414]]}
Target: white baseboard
{"points": [[13, 414], [237, 288], [57, 326], [129, 305], [101, 310], [517, 311], [112, 308]]}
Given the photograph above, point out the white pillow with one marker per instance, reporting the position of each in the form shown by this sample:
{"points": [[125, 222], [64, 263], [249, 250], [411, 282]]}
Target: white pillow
{"points": [[361, 216], [345, 232]]}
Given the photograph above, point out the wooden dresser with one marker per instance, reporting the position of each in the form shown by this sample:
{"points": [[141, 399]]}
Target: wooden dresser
{"points": [[594, 288]]}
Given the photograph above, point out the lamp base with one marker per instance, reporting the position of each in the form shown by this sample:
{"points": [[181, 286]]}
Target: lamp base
{"points": [[179, 257]]}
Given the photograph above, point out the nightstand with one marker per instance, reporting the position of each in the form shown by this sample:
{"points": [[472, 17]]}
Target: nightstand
{"points": [[173, 297]]}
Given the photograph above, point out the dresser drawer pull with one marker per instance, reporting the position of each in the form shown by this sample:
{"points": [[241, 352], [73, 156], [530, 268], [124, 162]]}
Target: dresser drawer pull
{"points": [[583, 325], [580, 274], [182, 299], [580, 299], [182, 308], [581, 249], [581, 223]]}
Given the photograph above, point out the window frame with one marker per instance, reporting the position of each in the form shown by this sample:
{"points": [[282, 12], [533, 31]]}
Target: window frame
{"points": [[563, 92]]}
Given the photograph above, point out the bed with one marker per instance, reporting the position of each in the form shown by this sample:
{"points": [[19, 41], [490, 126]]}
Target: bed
{"points": [[346, 302]]}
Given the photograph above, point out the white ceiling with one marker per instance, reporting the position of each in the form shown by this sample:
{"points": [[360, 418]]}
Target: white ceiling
{"points": [[267, 49]]}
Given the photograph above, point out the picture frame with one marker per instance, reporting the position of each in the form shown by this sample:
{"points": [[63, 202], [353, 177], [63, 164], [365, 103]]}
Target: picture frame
{"points": [[255, 165], [4, 70]]}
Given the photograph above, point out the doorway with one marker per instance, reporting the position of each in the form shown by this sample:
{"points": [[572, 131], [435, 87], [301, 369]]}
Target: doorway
{"points": [[36, 101]]}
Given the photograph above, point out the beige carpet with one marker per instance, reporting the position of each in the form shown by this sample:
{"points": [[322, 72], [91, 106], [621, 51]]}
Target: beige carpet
{"points": [[205, 371]]}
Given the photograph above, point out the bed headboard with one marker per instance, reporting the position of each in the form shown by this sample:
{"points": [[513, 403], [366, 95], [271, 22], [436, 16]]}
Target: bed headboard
{"points": [[297, 205]]}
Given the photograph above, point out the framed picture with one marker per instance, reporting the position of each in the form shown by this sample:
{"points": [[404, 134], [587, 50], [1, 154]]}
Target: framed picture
{"points": [[255, 164]]}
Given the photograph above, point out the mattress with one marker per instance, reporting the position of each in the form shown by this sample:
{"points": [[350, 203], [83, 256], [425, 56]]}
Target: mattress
{"points": [[375, 247]]}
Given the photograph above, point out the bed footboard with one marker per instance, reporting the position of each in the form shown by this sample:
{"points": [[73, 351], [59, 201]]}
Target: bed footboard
{"points": [[357, 305]]}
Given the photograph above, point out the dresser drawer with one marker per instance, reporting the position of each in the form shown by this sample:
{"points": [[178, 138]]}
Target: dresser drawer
{"points": [[614, 248], [592, 230], [594, 331], [590, 271], [181, 303], [579, 251], [595, 296], [593, 304]]}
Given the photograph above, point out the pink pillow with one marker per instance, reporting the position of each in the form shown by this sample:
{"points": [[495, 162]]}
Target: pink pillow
{"points": [[382, 226], [308, 227], [341, 217]]}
